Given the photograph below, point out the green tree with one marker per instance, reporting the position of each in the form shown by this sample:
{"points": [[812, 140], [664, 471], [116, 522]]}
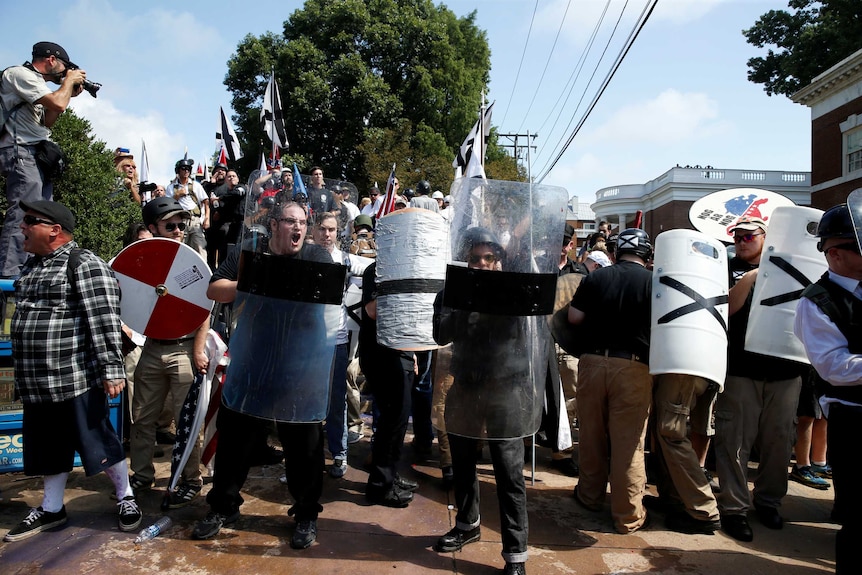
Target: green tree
{"points": [[88, 187], [808, 41], [365, 84]]}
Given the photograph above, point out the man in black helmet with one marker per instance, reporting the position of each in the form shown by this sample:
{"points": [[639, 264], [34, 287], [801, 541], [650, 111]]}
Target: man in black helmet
{"points": [[166, 365], [28, 109], [423, 198], [827, 323], [193, 199], [614, 383]]}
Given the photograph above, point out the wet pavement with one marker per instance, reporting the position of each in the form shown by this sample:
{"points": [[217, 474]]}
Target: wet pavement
{"points": [[357, 538]]}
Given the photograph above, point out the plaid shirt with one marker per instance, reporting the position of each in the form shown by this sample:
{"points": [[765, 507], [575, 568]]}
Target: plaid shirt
{"points": [[63, 342]]}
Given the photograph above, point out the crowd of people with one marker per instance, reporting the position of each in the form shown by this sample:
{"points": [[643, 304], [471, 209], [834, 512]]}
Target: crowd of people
{"points": [[630, 424]]}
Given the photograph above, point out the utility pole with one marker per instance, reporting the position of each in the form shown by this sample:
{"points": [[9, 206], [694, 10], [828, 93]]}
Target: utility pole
{"points": [[519, 143]]}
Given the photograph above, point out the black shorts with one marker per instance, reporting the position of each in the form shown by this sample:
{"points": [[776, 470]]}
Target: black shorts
{"points": [[809, 404], [53, 432]]}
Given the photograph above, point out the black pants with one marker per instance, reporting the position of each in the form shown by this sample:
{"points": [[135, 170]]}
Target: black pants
{"points": [[391, 382], [239, 437], [845, 429]]}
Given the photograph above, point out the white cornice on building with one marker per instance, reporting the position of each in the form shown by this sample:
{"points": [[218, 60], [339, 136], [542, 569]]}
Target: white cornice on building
{"points": [[833, 88]]}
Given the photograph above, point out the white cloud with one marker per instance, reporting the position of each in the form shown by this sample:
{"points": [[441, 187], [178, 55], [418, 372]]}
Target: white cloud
{"points": [[671, 117]]}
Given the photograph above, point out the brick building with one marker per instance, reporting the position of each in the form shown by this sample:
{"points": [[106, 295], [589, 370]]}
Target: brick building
{"points": [[835, 99]]}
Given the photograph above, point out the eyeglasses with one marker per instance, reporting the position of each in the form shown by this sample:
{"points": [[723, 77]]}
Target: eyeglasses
{"points": [[185, 168], [33, 220], [851, 247], [294, 222], [747, 238], [487, 258], [171, 226]]}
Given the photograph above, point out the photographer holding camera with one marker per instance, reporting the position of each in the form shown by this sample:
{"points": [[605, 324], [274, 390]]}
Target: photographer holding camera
{"points": [[28, 109]]}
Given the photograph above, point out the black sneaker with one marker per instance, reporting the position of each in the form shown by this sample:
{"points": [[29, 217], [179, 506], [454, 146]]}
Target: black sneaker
{"points": [[682, 522], [183, 495], [515, 569], [392, 497], [37, 520], [212, 524], [130, 513], [305, 534], [456, 538], [737, 527], [566, 466]]}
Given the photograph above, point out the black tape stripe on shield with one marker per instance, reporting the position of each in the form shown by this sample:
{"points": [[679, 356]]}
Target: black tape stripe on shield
{"points": [[700, 302], [787, 268], [413, 285], [499, 293], [291, 279]]}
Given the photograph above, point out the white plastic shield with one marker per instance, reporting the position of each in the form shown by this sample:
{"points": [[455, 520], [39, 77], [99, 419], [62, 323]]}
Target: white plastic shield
{"points": [[789, 263], [500, 285], [689, 306], [412, 246], [164, 286]]}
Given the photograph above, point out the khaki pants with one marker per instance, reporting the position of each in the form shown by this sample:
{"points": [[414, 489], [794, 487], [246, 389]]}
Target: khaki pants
{"points": [[682, 480], [161, 369], [614, 399]]}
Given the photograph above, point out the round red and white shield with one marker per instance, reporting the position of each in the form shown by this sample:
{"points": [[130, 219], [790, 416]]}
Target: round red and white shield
{"points": [[164, 288]]}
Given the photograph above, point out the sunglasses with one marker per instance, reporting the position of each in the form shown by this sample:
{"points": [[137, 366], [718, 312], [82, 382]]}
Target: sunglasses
{"points": [[171, 226], [747, 238], [33, 220], [487, 258]]}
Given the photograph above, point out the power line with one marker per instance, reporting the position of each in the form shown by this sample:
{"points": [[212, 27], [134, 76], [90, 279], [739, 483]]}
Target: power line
{"points": [[539, 83], [648, 12], [523, 54]]}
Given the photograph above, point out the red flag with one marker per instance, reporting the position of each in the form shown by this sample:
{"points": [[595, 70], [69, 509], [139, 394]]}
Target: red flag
{"points": [[389, 198], [222, 156], [639, 218]]}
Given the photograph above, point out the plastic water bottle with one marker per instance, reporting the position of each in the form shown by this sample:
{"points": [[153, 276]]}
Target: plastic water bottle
{"points": [[154, 530]]}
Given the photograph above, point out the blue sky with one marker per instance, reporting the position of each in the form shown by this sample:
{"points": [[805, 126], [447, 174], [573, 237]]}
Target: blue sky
{"points": [[680, 97]]}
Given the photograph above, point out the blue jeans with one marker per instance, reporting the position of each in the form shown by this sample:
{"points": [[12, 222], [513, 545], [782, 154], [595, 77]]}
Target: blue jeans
{"points": [[336, 419], [24, 181]]}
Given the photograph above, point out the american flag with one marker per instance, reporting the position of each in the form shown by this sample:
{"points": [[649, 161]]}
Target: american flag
{"points": [[194, 410], [389, 198]]}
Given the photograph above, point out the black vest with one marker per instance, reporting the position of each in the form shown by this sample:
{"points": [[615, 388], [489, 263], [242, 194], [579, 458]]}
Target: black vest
{"points": [[845, 311]]}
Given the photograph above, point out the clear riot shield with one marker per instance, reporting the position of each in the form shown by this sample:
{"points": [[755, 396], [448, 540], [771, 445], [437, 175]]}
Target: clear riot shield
{"points": [[412, 245], [689, 306], [854, 205], [788, 264], [505, 242], [287, 312]]}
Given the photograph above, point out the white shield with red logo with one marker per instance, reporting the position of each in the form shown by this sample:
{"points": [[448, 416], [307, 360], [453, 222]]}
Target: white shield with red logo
{"points": [[164, 288]]}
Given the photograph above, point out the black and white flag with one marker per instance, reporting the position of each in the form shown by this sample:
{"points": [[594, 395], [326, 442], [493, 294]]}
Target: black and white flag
{"points": [[465, 156], [271, 117], [226, 135]]}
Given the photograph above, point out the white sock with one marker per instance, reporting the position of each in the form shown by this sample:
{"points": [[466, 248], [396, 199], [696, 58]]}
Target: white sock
{"points": [[55, 486], [119, 474], [819, 463]]}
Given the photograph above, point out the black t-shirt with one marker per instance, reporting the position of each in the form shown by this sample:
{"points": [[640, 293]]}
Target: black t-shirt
{"points": [[743, 363], [616, 302], [371, 354]]}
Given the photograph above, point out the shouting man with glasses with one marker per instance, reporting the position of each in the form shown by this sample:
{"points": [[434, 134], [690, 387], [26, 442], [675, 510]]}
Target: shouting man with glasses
{"points": [[240, 433], [757, 406], [166, 365], [28, 109]]}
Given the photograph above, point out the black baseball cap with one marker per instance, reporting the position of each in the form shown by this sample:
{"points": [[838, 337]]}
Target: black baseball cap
{"points": [[45, 49], [57, 213]]}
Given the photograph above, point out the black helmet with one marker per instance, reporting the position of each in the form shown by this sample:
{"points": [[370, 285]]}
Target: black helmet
{"points": [[423, 188], [184, 163], [835, 223], [158, 208], [634, 241], [478, 236]]}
